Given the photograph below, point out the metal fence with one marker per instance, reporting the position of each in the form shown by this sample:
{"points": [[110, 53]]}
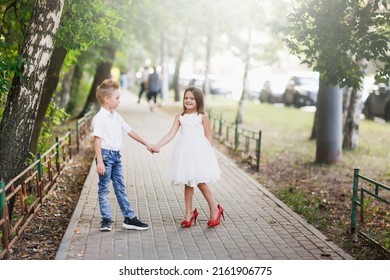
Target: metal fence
{"points": [[365, 190], [82, 128], [245, 142], [23, 196]]}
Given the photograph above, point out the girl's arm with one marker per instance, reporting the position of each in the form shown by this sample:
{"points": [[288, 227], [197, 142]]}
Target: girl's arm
{"points": [[167, 138], [207, 128]]}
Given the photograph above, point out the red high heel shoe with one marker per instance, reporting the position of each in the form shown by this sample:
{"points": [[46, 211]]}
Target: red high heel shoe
{"points": [[187, 224], [217, 221]]}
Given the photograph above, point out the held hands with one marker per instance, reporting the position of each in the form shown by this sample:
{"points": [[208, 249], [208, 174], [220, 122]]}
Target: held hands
{"points": [[153, 149]]}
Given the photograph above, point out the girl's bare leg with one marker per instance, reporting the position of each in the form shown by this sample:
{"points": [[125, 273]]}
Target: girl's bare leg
{"points": [[204, 188], [188, 194]]}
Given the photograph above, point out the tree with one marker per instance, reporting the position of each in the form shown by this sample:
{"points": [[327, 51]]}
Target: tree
{"points": [[114, 15], [179, 60], [352, 97], [240, 110], [80, 27], [334, 36], [249, 47], [163, 31], [103, 70], [352, 102], [48, 88], [23, 100]]}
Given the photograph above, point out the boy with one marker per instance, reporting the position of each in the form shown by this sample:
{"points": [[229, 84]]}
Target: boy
{"points": [[108, 127]]}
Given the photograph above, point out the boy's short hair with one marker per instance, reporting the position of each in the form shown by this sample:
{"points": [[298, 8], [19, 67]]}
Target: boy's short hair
{"points": [[106, 89]]}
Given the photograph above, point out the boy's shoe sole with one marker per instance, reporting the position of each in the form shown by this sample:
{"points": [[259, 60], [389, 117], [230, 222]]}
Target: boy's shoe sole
{"points": [[105, 229], [126, 226]]}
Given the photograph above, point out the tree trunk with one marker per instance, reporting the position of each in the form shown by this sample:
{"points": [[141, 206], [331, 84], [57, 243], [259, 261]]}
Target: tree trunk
{"points": [[240, 111], [23, 99], [210, 40], [175, 82], [329, 124], [352, 110], [64, 94], [74, 89], [103, 71], [346, 101], [165, 68], [314, 128], [352, 120], [176, 74], [50, 85]]}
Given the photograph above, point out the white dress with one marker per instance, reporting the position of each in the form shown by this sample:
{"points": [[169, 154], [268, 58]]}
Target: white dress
{"points": [[193, 159]]}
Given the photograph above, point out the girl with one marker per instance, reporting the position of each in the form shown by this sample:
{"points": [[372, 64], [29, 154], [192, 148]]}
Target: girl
{"points": [[193, 161]]}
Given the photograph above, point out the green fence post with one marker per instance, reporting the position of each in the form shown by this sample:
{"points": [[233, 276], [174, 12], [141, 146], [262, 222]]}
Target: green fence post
{"points": [[258, 153], [2, 199], [361, 206], [236, 136], [70, 143], [220, 126], [212, 122], [77, 135], [40, 175], [39, 166], [354, 199], [58, 158], [5, 227]]}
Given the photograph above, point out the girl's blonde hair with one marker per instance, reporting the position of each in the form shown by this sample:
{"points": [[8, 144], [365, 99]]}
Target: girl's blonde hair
{"points": [[199, 98], [106, 89]]}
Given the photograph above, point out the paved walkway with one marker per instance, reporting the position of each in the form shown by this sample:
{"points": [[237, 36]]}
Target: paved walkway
{"points": [[257, 225]]}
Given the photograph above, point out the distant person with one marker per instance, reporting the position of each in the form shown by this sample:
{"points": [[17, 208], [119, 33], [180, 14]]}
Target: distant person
{"points": [[123, 79], [154, 87], [144, 83], [193, 161], [108, 127]]}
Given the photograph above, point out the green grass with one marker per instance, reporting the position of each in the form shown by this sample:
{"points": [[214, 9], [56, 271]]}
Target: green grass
{"points": [[305, 204]]}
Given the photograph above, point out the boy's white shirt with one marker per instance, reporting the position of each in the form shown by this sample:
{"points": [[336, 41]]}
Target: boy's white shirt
{"points": [[109, 127]]}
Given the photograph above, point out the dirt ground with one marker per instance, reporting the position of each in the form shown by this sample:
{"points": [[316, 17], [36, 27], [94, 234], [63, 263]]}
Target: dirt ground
{"points": [[332, 192], [42, 238]]}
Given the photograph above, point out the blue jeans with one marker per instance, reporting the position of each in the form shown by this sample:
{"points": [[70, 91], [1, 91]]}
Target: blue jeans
{"points": [[113, 165]]}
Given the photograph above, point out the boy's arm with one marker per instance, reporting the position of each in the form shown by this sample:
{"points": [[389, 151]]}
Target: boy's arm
{"points": [[139, 139], [100, 168]]}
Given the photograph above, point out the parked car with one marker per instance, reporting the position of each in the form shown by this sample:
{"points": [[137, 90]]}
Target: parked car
{"points": [[273, 89], [378, 101], [302, 90], [193, 80], [218, 85]]}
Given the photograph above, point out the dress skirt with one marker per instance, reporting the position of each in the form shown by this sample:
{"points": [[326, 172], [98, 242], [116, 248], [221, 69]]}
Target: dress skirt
{"points": [[193, 161]]}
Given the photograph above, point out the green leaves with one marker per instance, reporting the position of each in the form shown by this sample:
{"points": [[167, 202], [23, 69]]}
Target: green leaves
{"points": [[88, 23], [333, 36], [55, 119], [10, 65]]}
